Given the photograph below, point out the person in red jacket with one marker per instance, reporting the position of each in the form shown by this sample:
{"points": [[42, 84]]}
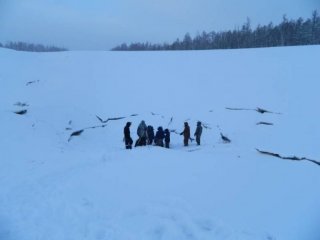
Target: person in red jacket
{"points": [[186, 134]]}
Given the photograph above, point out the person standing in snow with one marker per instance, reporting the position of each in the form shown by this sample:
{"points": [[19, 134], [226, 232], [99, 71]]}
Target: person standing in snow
{"points": [[198, 132], [167, 138], [150, 134], [142, 134], [158, 140], [127, 138], [186, 134]]}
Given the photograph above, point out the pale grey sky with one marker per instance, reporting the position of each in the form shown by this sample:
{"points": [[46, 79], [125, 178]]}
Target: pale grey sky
{"points": [[103, 24]]}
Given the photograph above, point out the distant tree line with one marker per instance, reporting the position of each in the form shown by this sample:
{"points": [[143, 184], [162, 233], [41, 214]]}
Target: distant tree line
{"points": [[30, 47], [287, 33]]}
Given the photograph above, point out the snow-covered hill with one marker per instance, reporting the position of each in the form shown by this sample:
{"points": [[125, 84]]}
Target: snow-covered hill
{"points": [[92, 188]]}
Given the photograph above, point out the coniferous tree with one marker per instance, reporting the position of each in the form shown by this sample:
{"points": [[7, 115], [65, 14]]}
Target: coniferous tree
{"points": [[22, 46], [287, 33]]}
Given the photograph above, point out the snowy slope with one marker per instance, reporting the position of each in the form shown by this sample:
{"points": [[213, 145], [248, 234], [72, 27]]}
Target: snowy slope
{"points": [[92, 188]]}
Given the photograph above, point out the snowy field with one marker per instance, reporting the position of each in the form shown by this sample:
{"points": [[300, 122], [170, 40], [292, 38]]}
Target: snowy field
{"points": [[92, 188]]}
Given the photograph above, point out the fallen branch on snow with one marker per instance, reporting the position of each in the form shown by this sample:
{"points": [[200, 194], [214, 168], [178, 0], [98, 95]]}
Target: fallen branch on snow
{"points": [[294, 158], [224, 138], [31, 82], [76, 133], [264, 123], [171, 119], [79, 132], [240, 109], [259, 110], [109, 119], [21, 104], [21, 112]]}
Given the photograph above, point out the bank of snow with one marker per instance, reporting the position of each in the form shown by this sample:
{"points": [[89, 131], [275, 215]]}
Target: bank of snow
{"points": [[91, 188]]}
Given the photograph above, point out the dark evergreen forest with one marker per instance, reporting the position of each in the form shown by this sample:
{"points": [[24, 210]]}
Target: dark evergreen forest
{"points": [[287, 33], [30, 47]]}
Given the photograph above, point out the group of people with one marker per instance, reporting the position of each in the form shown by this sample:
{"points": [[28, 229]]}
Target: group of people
{"points": [[146, 135]]}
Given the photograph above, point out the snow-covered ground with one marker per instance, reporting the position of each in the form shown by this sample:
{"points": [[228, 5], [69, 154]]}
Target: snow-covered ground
{"points": [[92, 188]]}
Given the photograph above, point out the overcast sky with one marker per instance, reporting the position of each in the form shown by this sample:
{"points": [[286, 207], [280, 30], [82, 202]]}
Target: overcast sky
{"points": [[103, 24]]}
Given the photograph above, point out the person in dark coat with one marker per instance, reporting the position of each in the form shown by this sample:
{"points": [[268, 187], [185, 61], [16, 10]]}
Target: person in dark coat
{"points": [[158, 140], [142, 134], [127, 138], [198, 132], [150, 135], [186, 134], [167, 138]]}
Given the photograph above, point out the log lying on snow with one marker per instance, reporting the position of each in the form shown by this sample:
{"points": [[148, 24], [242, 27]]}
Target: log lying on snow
{"points": [[259, 110], [294, 158]]}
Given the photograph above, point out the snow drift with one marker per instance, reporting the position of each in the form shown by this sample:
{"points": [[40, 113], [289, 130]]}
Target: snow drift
{"points": [[92, 188]]}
